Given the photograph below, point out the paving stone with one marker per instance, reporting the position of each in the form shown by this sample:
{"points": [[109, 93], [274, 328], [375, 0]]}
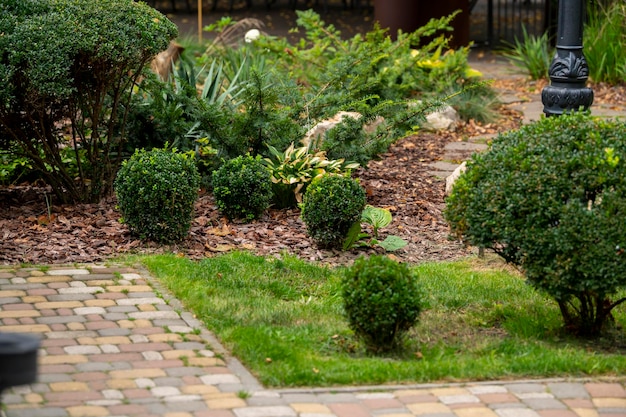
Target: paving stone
{"points": [[142, 300], [568, 390], [84, 311], [599, 390], [70, 296], [83, 350], [38, 412], [115, 331], [67, 272], [219, 379], [267, 412], [544, 403], [517, 412], [525, 388]]}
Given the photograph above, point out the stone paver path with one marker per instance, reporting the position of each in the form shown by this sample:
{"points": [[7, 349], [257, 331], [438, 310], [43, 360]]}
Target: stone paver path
{"points": [[114, 343]]}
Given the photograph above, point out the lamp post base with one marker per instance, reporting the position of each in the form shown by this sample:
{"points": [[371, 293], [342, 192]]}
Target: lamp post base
{"points": [[558, 99]]}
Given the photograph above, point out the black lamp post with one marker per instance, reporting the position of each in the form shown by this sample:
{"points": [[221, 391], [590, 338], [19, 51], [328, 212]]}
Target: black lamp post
{"points": [[568, 71]]}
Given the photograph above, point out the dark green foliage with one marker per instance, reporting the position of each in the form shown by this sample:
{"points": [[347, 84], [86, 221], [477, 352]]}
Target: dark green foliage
{"points": [[70, 65], [551, 198], [156, 191], [382, 301], [330, 206], [242, 188]]}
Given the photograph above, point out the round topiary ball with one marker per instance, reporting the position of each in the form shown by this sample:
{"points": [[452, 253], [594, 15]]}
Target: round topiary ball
{"points": [[156, 191], [382, 301], [330, 206], [242, 188]]}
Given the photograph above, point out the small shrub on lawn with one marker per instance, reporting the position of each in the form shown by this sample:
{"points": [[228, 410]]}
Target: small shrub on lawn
{"points": [[382, 301], [551, 199], [242, 188], [156, 191], [331, 205]]}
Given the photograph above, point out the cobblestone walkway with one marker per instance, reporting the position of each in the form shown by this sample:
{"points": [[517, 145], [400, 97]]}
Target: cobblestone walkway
{"points": [[113, 343]]}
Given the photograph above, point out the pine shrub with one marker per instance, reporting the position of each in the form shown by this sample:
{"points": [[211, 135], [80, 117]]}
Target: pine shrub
{"points": [[242, 188], [382, 301], [330, 206], [156, 191]]}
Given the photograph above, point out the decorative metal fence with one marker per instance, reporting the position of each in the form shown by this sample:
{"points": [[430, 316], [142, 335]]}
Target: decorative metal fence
{"points": [[495, 21]]}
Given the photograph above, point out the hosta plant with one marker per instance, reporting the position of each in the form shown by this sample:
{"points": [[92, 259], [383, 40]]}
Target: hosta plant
{"points": [[294, 169], [377, 218]]}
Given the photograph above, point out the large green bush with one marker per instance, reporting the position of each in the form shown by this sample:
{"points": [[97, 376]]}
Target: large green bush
{"points": [[330, 206], [382, 301], [67, 72], [551, 198], [242, 187], [156, 191]]}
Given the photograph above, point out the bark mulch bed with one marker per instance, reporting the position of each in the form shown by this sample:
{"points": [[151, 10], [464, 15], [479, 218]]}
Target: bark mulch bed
{"points": [[35, 230]]}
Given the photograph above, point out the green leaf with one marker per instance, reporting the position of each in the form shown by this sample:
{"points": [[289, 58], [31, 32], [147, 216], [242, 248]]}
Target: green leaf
{"points": [[353, 236], [392, 243], [377, 217]]}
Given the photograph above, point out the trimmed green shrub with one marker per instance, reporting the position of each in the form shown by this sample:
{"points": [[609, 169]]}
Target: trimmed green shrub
{"points": [[71, 65], [382, 301], [242, 188], [156, 191], [551, 199], [330, 206]]}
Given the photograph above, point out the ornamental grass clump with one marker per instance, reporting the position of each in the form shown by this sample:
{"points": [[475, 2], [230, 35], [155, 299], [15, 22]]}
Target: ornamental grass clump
{"points": [[156, 191], [382, 301], [550, 198], [330, 206], [242, 188]]}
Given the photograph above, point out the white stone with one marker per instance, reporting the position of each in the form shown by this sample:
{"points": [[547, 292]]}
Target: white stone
{"points": [[444, 119], [451, 179], [315, 136]]}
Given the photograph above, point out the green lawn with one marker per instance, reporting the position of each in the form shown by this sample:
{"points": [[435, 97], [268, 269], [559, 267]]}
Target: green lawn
{"points": [[283, 319]]}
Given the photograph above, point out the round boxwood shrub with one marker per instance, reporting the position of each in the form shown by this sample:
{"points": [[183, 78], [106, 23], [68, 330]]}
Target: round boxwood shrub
{"points": [[156, 191], [382, 301], [242, 188], [551, 199], [330, 206]]}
